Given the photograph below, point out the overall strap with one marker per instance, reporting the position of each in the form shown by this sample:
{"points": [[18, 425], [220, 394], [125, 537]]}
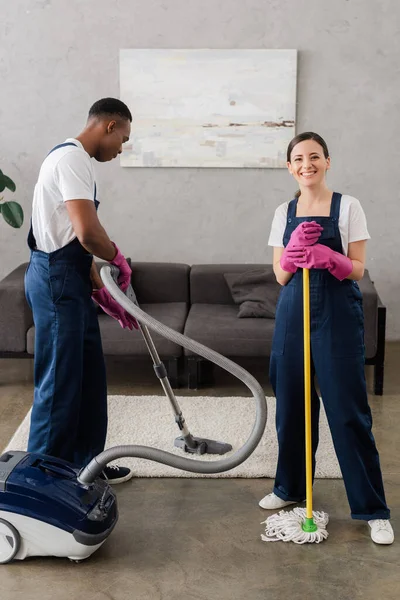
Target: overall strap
{"points": [[335, 206], [291, 212], [96, 202], [62, 146]]}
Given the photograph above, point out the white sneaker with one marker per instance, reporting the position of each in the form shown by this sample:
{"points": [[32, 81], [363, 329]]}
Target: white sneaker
{"points": [[381, 531], [273, 502]]}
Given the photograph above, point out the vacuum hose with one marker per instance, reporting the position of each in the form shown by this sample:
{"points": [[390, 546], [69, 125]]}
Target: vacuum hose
{"points": [[96, 466]]}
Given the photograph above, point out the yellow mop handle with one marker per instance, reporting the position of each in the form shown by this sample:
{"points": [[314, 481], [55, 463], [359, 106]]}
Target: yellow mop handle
{"points": [[307, 390]]}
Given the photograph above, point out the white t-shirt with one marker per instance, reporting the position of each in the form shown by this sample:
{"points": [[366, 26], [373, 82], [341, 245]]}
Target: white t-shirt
{"points": [[66, 174], [352, 223]]}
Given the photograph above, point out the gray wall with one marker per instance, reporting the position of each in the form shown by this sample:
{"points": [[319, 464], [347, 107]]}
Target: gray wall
{"points": [[57, 57]]}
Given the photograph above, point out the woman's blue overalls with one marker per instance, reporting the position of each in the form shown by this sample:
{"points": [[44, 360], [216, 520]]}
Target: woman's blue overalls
{"points": [[337, 357], [69, 413]]}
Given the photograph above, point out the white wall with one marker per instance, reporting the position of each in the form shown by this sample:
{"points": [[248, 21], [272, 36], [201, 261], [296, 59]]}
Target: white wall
{"points": [[58, 57]]}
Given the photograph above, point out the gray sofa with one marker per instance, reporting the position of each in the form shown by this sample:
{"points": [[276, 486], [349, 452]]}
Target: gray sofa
{"points": [[162, 290], [196, 300]]}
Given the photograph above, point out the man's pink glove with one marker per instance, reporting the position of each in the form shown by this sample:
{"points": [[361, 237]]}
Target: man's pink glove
{"points": [[125, 272], [322, 257], [305, 234], [115, 310]]}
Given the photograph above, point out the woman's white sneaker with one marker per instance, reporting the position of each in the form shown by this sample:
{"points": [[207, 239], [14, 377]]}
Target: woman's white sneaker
{"points": [[273, 502], [381, 531]]}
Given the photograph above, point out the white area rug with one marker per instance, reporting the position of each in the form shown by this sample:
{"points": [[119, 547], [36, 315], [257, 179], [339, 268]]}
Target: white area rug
{"points": [[148, 420]]}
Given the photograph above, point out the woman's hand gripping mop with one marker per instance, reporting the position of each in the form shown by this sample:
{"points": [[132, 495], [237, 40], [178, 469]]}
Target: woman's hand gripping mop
{"points": [[301, 525]]}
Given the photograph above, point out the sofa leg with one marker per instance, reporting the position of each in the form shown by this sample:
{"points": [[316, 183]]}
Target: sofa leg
{"points": [[378, 379], [206, 372], [173, 372], [193, 372], [380, 352]]}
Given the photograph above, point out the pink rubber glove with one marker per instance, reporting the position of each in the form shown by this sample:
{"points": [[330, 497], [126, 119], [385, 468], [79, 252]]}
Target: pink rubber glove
{"points": [[290, 257], [322, 257], [125, 272], [112, 308], [305, 234]]}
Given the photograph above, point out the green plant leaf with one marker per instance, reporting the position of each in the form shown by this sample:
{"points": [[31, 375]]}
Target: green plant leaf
{"points": [[6, 182], [9, 183], [13, 214]]}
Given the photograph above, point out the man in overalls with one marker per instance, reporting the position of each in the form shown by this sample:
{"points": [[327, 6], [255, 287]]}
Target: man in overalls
{"points": [[69, 413]]}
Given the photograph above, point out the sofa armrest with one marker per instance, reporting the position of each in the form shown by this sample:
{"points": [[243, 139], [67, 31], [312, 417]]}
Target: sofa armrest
{"points": [[371, 302], [15, 315]]}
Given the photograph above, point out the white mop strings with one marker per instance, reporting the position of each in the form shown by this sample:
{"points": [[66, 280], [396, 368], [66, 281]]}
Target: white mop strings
{"points": [[287, 527]]}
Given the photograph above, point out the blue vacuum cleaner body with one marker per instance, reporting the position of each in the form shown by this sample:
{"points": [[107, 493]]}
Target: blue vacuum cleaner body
{"points": [[44, 510]]}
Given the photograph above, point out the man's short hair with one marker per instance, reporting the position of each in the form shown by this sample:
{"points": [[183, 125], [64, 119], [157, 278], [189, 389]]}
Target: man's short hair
{"points": [[110, 107]]}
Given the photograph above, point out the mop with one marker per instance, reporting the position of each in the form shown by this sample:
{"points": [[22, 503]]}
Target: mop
{"points": [[301, 525]]}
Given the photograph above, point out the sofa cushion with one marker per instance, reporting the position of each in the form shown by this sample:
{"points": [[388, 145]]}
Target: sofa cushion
{"points": [[217, 326], [158, 282], [255, 291], [15, 314], [208, 284], [117, 341]]}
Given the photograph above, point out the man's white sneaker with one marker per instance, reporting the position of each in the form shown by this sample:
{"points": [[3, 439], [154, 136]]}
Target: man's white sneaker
{"points": [[381, 531], [273, 502]]}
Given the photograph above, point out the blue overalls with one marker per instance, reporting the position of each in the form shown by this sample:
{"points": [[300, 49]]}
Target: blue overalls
{"points": [[337, 358], [69, 413]]}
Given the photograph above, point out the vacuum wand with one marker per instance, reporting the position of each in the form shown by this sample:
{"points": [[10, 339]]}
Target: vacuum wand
{"points": [[192, 465], [186, 441]]}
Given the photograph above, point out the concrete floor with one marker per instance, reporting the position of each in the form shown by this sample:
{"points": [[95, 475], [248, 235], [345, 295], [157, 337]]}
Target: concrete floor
{"points": [[199, 539]]}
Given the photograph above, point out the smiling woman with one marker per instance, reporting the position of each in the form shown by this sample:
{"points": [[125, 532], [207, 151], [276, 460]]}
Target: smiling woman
{"points": [[311, 160], [324, 232]]}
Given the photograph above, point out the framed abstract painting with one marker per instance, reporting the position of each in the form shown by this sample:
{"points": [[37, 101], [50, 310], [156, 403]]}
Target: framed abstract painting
{"points": [[209, 108]]}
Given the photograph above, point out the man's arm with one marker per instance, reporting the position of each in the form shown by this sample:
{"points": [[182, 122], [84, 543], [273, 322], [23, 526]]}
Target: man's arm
{"points": [[97, 282], [89, 230]]}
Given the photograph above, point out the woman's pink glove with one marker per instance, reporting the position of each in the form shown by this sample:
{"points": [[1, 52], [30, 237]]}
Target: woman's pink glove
{"points": [[112, 308], [289, 258], [125, 272], [305, 234], [322, 257]]}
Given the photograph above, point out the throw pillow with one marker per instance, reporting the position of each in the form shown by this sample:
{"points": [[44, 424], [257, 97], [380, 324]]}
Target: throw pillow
{"points": [[255, 291]]}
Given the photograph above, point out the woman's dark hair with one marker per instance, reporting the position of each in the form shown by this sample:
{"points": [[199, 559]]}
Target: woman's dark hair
{"points": [[302, 137]]}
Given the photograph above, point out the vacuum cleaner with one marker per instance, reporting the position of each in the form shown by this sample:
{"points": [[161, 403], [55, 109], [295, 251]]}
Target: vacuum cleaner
{"points": [[50, 507]]}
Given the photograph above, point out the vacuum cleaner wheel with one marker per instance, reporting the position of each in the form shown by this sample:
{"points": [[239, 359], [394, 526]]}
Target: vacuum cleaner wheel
{"points": [[10, 541]]}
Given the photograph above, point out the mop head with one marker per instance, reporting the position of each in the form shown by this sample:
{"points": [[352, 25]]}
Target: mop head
{"points": [[288, 527]]}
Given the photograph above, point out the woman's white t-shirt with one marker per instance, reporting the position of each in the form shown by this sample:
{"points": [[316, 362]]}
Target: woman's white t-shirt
{"points": [[352, 223]]}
